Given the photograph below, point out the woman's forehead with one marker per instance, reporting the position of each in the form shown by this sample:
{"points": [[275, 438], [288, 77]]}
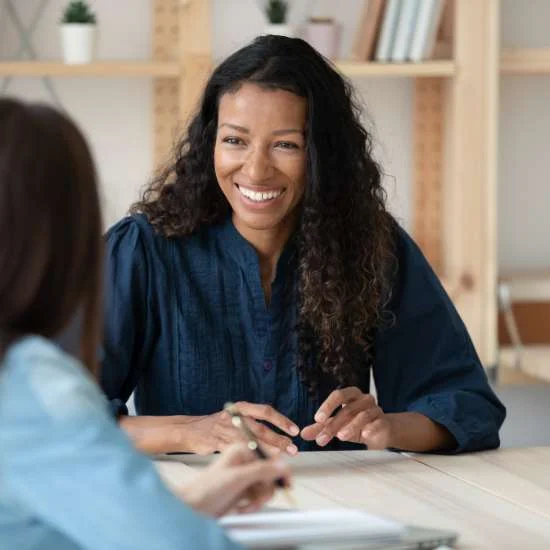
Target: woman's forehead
{"points": [[260, 104]]}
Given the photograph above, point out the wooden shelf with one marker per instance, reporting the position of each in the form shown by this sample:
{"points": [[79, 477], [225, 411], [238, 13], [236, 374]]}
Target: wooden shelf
{"points": [[171, 69], [535, 362], [531, 285], [166, 69], [426, 68], [513, 61], [525, 61]]}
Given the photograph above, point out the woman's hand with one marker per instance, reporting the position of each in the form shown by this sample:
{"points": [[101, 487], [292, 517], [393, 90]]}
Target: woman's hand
{"points": [[210, 433], [238, 481], [360, 420], [216, 431]]}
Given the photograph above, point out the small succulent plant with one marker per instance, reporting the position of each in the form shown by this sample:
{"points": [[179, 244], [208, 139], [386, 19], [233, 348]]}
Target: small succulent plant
{"points": [[78, 11], [276, 11]]}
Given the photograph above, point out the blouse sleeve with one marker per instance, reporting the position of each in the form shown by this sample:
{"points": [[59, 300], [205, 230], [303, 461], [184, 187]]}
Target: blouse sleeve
{"points": [[66, 462], [425, 361], [130, 321]]}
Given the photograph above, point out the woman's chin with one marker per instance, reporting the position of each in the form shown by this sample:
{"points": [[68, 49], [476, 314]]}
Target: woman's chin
{"points": [[259, 221]]}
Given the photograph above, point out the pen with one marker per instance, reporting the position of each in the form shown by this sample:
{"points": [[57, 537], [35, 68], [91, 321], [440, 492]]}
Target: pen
{"points": [[238, 422]]}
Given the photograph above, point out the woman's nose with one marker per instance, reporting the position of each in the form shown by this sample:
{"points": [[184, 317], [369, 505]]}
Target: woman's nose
{"points": [[257, 166]]}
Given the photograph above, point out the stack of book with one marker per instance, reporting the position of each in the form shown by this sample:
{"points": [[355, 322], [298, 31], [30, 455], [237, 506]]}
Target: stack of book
{"points": [[399, 31]]}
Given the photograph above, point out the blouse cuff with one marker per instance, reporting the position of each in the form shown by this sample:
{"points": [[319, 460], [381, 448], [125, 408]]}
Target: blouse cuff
{"points": [[436, 410], [118, 408]]}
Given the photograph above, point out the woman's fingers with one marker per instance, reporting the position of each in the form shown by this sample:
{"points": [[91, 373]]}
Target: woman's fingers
{"points": [[311, 432], [266, 436], [336, 399], [377, 434], [268, 414], [344, 416], [352, 430], [260, 495], [235, 454], [246, 476]]}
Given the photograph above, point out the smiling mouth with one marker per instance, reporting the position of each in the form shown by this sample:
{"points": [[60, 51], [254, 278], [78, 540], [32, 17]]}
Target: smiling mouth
{"points": [[260, 196]]}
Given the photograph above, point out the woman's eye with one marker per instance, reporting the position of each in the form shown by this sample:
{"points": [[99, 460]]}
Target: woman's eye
{"points": [[233, 140], [287, 145]]}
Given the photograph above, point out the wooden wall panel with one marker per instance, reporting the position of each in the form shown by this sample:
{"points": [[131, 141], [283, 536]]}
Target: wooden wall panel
{"points": [[428, 139], [166, 90]]}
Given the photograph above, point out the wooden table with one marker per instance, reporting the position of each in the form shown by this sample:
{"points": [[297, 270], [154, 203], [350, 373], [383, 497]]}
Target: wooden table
{"points": [[494, 500], [521, 476]]}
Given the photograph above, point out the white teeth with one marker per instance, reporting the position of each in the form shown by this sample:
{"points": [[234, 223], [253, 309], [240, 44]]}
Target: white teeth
{"points": [[257, 196]]}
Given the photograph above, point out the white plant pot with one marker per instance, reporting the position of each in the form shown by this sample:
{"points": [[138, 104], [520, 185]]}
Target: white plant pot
{"points": [[78, 42], [282, 29]]}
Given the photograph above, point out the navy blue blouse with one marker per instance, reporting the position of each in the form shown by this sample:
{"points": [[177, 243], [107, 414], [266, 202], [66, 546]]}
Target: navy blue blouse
{"points": [[188, 328]]}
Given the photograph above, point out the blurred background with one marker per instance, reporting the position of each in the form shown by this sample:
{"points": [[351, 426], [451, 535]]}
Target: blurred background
{"points": [[149, 44]]}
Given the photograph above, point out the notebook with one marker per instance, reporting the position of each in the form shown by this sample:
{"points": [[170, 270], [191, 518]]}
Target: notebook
{"points": [[329, 528]]}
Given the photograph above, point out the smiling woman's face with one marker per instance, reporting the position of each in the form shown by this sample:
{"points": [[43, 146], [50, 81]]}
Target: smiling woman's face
{"points": [[260, 157]]}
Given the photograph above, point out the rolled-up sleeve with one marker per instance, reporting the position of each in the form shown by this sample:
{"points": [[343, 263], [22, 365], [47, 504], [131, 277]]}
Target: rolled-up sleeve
{"points": [[425, 361], [129, 322]]}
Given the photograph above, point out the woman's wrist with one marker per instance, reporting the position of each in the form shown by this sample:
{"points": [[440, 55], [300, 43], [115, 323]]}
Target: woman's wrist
{"points": [[158, 434], [415, 432]]}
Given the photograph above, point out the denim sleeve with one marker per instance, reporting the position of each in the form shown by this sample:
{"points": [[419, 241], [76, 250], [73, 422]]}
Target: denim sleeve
{"points": [[65, 460], [425, 361], [129, 321]]}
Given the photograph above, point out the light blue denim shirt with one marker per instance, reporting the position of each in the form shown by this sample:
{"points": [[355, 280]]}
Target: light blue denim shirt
{"points": [[69, 477]]}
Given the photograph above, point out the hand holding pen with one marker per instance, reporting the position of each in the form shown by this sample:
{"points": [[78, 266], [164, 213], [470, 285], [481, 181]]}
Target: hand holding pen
{"points": [[238, 421], [236, 482]]}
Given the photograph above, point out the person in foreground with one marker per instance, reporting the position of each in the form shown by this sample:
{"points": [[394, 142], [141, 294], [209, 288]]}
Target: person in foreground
{"points": [[263, 267], [69, 477]]}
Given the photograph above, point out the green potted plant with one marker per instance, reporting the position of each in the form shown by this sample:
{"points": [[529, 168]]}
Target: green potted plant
{"points": [[276, 12], [78, 32]]}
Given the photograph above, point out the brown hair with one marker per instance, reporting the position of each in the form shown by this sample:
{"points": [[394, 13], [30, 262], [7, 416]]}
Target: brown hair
{"points": [[50, 227]]}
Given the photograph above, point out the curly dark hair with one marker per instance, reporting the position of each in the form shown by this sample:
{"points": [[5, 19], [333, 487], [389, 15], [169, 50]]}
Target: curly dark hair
{"points": [[345, 235]]}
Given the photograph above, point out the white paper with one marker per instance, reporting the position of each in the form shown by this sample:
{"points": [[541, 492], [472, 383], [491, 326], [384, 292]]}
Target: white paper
{"points": [[283, 528]]}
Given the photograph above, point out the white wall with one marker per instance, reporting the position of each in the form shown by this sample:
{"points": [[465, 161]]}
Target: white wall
{"points": [[116, 113], [524, 190]]}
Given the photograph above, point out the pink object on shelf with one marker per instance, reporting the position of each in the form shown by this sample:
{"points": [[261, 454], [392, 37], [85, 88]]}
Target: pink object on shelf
{"points": [[324, 35]]}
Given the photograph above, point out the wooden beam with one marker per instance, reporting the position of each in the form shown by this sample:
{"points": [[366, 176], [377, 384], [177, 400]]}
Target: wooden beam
{"points": [[428, 137], [166, 91], [470, 195], [195, 53]]}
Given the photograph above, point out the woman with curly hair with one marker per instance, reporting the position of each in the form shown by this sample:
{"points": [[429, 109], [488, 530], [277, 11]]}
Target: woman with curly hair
{"points": [[263, 267]]}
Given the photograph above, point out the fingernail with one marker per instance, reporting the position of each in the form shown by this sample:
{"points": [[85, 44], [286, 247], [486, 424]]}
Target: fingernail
{"points": [[322, 440], [294, 430], [292, 449], [365, 434], [320, 417], [343, 434]]}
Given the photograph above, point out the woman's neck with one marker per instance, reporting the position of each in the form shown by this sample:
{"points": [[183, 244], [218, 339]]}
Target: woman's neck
{"points": [[269, 245]]}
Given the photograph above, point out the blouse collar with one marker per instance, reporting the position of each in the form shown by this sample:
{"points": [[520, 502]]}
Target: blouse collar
{"points": [[239, 249]]}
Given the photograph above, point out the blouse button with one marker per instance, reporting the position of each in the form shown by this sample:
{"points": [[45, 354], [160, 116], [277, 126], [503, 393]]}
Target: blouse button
{"points": [[268, 365]]}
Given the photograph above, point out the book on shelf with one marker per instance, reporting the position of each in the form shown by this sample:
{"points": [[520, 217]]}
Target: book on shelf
{"points": [[443, 48], [404, 30], [384, 47], [368, 30], [425, 31]]}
